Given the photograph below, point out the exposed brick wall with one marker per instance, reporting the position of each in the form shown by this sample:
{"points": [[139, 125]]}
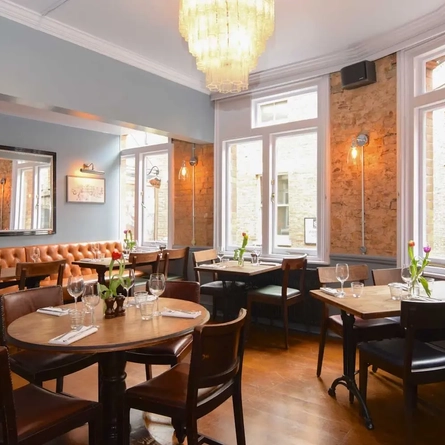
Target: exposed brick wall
{"points": [[371, 110], [203, 195]]}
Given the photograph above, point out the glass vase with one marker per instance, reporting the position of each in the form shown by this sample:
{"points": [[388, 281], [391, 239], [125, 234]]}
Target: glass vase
{"points": [[240, 261], [414, 288]]}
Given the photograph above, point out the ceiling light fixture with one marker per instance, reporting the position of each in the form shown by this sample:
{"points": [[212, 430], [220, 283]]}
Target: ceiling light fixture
{"points": [[226, 37], [89, 168], [183, 171]]}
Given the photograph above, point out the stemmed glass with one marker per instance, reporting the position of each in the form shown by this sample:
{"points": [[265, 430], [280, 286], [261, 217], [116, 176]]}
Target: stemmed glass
{"points": [[91, 299], [342, 274], [156, 285], [35, 255], [76, 287], [128, 283], [405, 274], [220, 253]]}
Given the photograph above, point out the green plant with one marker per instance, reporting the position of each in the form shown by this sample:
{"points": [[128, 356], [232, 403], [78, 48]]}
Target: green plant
{"points": [[417, 266], [110, 291], [129, 242], [238, 253]]}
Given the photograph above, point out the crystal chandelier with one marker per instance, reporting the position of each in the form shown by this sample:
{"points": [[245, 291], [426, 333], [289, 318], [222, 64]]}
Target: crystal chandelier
{"points": [[226, 37]]}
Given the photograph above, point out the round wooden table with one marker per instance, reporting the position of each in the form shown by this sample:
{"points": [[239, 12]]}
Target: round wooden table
{"points": [[114, 337]]}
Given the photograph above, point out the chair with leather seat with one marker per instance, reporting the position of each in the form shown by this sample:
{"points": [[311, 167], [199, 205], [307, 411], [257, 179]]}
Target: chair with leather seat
{"points": [[385, 276], [30, 274], [414, 361], [219, 290], [179, 259], [172, 351], [282, 295], [364, 330], [39, 366], [188, 392], [33, 415]]}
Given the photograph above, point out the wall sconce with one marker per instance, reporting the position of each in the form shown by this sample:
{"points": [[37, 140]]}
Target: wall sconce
{"points": [[183, 171], [355, 157], [89, 168], [153, 177]]}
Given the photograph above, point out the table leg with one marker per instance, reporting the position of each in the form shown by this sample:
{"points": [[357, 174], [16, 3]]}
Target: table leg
{"points": [[101, 275], [111, 394], [348, 377]]}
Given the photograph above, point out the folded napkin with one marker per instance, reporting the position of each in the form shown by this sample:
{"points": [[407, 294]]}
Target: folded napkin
{"points": [[330, 291], [72, 336], [264, 263], [180, 314], [51, 310]]}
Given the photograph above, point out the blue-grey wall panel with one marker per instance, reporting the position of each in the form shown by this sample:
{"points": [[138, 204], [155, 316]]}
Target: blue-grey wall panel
{"points": [[75, 222], [43, 69]]}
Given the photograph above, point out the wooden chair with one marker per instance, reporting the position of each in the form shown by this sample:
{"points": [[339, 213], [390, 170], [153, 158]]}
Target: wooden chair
{"points": [[33, 415], [282, 296], [386, 276], [140, 261], [364, 330], [173, 351], [179, 256], [188, 392], [30, 274], [415, 362], [215, 288], [39, 366]]}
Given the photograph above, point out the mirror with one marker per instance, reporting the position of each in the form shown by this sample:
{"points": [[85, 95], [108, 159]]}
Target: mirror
{"points": [[27, 191]]}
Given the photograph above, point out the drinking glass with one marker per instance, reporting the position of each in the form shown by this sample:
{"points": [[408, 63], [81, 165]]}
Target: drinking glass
{"points": [[342, 274], [357, 289], [91, 299], [406, 274], [76, 287], [128, 283], [156, 286], [220, 253], [35, 255]]}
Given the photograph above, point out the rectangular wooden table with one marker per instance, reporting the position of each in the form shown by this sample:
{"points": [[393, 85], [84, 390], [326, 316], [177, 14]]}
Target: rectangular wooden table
{"points": [[101, 266], [375, 302], [8, 277]]}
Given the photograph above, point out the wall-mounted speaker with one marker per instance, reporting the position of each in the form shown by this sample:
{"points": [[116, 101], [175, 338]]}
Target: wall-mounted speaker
{"points": [[358, 75]]}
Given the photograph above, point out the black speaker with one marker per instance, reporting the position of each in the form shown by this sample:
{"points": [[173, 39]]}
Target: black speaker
{"points": [[358, 75]]}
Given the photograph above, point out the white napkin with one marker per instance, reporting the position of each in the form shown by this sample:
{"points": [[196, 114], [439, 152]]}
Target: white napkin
{"points": [[51, 310], [180, 314], [330, 291], [72, 336], [264, 263]]}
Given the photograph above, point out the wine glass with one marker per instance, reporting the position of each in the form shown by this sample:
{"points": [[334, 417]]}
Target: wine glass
{"points": [[91, 299], [406, 274], [35, 255], [342, 274], [76, 287], [156, 285], [128, 283], [220, 253]]}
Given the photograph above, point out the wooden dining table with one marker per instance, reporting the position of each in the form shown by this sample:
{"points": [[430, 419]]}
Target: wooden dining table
{"points": [[8, 277], [113, 337]]}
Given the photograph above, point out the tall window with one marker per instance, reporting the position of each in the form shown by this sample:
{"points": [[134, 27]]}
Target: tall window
{"points": [[271, 170], [422, 146], [145, 193]]}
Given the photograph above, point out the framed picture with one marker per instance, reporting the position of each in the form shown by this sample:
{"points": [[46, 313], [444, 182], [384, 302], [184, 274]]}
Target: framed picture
{"points": [[85, 190], [310, 231]]}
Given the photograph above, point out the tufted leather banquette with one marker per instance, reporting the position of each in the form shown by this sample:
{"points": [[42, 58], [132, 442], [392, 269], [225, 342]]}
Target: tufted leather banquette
{"points": [[10, 256]]}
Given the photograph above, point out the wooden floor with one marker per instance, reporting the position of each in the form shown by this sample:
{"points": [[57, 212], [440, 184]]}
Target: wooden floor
{"points": [[285, 403]]}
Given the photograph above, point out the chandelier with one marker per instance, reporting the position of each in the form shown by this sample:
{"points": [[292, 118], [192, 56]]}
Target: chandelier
{"points": [[226, 37]]}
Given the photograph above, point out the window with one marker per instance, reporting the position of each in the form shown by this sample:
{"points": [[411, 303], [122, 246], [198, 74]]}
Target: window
{"points": [[422, 144], [145, 193], [272, 175]]}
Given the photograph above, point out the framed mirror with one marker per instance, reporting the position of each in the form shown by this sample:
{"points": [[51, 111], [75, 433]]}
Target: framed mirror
{"points": [[27, 191]]}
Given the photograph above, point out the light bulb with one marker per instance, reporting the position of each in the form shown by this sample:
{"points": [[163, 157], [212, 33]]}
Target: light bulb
{"points": [[183, 172]]}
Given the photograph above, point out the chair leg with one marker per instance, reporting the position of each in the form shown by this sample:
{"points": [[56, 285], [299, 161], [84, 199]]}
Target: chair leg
{"points": [[126, 425], [248, 317], [214, 309], [180, 430], [192, 432], [410, 399], [238, 414], [59, 384], [95, 431], [323, 333], [286, 326], [148, 371]]}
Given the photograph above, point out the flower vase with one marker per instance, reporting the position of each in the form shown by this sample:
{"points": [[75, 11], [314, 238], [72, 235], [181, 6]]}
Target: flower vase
{"points": [[120, 310], [109, 307], [240, 261], [414, 288]]}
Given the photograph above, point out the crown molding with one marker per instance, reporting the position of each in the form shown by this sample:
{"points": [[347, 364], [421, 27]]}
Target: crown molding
{"points": [[412, 33], [25, 16]]}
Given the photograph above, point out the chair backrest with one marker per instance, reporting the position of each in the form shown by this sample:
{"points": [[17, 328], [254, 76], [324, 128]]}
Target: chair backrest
{"points": [[182, 290], [181, 254], [140, 259], [207, 256], [23, 302], [357, 272], [386, 276], [8, 419], [44, 269], [217, 356], [288, 264]]}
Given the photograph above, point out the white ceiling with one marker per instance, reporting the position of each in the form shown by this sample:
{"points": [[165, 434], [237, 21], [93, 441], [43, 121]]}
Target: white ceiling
{"points": [[145, 32]]}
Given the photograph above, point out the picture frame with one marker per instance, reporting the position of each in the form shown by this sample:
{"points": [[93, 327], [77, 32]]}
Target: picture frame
{"points": [[85, 190]]}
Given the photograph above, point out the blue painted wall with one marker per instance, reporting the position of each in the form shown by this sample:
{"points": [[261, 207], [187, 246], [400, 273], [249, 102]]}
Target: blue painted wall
{"points": [[40, 68], [75, 222]]}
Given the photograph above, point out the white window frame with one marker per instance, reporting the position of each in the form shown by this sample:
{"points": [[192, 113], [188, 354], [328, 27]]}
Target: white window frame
{"points": [[235, 130], [412, 102]]}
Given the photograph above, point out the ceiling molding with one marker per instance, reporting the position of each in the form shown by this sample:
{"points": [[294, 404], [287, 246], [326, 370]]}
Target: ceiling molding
{"points": [[400, 38], [62, 31]]}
